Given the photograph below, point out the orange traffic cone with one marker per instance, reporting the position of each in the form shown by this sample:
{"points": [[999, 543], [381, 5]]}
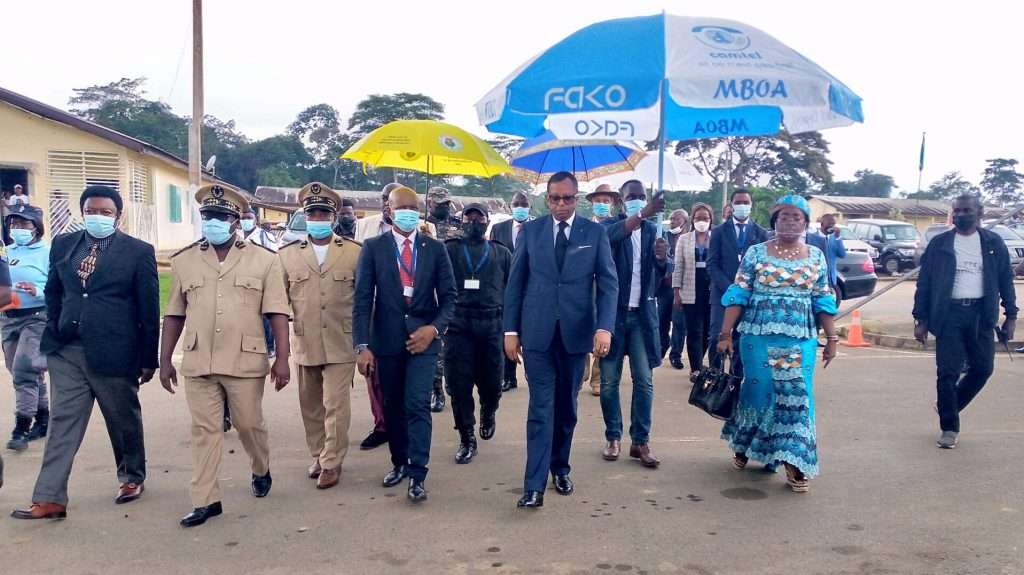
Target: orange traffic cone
{"points": [[855, 335]]}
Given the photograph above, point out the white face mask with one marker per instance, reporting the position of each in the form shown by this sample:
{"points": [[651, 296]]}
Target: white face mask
{"points": [[676, 231], [701, 226]]}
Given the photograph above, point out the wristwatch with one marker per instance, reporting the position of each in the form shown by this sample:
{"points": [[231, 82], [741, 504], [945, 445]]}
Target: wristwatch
{"points": [[361, 348]]}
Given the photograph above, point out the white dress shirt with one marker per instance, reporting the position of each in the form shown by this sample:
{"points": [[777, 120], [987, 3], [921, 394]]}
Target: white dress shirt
{"points": [[568, 229], [516, 228], [634, 283]]}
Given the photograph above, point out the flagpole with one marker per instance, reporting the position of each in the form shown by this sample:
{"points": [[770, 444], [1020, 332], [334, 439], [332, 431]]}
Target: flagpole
{"points": [[920, 165], [195, 156]]}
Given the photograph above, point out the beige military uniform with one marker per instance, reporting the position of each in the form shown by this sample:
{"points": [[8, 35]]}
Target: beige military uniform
{"points": [[321, 299], [225, 353]]}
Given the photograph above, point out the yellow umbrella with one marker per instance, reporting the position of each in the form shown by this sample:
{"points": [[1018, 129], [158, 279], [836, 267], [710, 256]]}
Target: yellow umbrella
{"points": [[428, 146]]}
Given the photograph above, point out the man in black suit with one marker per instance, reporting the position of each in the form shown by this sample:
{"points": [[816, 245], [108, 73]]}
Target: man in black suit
{"points": [[101, 342], [729, 242], [507, 234], [404, 300]]}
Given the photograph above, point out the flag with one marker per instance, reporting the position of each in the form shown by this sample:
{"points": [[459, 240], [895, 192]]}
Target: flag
{"points": [[920, 163]]}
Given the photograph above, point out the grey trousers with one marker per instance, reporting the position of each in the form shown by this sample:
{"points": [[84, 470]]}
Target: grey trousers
{"points": [[74, 389], [21, 355]]}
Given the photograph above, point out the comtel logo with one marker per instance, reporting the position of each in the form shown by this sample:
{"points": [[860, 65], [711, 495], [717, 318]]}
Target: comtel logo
{"points": [[599, 97], [722, 38]]}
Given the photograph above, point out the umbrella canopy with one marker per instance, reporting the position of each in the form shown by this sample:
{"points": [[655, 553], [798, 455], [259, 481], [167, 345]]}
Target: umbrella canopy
{"points": [[541, 157], [699, 77], [430, 147], [678, 175]]}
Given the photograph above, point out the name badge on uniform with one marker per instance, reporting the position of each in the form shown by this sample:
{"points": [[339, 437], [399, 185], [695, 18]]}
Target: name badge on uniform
{"points": [[702, 264], [407, 291], [471, 284]]}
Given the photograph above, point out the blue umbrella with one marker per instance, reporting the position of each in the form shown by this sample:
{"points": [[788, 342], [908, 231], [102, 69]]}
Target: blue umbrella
{"points": [[668, 77], [539, 158]]}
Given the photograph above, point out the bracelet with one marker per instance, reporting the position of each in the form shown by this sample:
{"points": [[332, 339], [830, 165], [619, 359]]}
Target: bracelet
{"points": [[725, 337], [832, 338]]}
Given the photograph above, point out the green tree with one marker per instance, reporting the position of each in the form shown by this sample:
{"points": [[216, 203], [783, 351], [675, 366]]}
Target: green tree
{"points": [[151, 122], [247, 164], [947, 187], [380, 109], [86, 101], [797, 162], [1001, 181], [319, 129], [866, 183]]}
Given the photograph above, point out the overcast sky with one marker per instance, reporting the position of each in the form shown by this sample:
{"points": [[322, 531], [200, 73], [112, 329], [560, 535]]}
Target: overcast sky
{"points": [[953, 71]]}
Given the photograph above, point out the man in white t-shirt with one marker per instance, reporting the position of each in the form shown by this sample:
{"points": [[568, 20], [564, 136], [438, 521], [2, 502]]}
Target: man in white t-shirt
{"points": [[256, 233], [965, 273]]}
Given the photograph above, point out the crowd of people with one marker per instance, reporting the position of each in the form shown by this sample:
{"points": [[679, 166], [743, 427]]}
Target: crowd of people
{"points": [[436, 307]]}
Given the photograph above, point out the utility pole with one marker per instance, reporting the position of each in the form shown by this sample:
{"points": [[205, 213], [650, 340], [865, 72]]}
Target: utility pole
{"points": [[195, 140]]}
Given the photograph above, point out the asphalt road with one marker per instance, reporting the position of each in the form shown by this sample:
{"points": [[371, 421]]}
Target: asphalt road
{"points": [[888, 501]]}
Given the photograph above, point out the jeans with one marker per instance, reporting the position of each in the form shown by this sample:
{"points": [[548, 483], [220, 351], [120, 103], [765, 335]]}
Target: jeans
{"points": [[643, 386], [961, 340]]}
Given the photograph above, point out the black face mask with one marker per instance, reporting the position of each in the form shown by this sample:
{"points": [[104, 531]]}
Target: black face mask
{"points": [[441, 212], [474, 231], [346, 225], [964, 222]]}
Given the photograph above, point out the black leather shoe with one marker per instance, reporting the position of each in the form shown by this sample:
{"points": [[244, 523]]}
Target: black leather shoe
{"points": [[374, 440], [509, 385], [437, 401], [467, 448], [199, 515], [487, 423], [531, 500], [564, 485], [394, 477], [417, 490], [677, 363], [261, 485], [227, 423]]}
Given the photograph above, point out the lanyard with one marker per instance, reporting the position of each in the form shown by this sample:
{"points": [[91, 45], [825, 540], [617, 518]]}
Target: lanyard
{"points": [[474, 270], [700, 252], [401, 264]]}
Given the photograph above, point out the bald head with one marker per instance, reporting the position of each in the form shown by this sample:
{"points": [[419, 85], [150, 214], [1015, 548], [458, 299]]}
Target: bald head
{"points": [[403, 198]]}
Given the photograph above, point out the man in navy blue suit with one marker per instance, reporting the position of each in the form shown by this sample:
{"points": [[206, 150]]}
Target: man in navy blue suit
{"points": [[729, 242], [558, 263], [404, 300], [641, 262]]}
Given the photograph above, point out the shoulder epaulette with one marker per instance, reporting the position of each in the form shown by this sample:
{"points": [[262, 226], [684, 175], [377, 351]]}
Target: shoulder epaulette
{"points": [[190, 246], [352, 241], [262, 247], [291, 243]]}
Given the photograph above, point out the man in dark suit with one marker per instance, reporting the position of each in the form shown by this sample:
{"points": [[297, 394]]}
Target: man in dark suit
{"points": [[404, 300], [507, 234], [551, 292], [641, 263], [729, 242], [101, 342]]}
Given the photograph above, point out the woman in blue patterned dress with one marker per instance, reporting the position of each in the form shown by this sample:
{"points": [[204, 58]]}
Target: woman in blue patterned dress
{"points": [[780, 298]]}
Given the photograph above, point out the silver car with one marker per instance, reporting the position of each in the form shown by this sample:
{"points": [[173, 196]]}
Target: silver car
{"points": [[1014, 242]]}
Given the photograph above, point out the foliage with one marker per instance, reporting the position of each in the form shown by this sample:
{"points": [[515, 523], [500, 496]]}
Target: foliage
{"points": [[947, 187], [866, 183], [1001, 181]]}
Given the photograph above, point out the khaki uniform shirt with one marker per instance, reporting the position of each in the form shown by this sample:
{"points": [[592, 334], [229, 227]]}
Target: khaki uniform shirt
{"points": [[223, 305], [322, 300]]}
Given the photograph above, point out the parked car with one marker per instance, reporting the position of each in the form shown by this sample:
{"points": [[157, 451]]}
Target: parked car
{"points": [[1014, 241], [296, 228], [897, 243], [856, 275]]}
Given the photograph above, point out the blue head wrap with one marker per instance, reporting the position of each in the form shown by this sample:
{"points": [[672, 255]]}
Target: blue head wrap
{"points": [[796, 201]]}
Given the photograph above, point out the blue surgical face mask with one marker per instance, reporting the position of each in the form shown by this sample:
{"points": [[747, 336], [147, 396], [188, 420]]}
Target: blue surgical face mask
{"points": [[741, 211], [634, 207], [319, 230], [601, 210], [248, 225], [406, 220], [216, 232], [22, 237], [520, 214], [99, 226]]}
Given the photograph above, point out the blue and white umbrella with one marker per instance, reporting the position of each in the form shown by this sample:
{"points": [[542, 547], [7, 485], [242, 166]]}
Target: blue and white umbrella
{"points": [[537, 159], [696, 77]]}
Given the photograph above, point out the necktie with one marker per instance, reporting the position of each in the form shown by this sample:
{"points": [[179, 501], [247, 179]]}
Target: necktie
{"points": [[741, 236], [406, 268], [88, 265], [561, 244], [515, 234]]}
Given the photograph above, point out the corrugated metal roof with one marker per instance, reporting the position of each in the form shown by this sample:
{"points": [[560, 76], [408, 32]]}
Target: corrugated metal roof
{"points": [[287, 199], [885, 206]]}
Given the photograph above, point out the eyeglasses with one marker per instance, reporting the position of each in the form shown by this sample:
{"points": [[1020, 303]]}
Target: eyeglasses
{"points": [[562, 199]]}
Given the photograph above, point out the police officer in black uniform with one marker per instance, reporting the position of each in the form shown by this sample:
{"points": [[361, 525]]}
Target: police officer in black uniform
{"points": [[439, 213], [475, 338]]}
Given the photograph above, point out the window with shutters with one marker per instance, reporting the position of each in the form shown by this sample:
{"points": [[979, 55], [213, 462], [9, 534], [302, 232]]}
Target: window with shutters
{"points": [[174, 209], [68, 174], [139, 191]]}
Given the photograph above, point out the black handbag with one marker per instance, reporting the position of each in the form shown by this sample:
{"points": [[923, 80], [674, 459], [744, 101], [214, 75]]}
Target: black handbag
{"points": [[716, 390]]}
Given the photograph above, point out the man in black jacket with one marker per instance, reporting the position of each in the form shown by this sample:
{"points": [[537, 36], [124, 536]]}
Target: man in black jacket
{"points": [[965, 272], [101, 342]]}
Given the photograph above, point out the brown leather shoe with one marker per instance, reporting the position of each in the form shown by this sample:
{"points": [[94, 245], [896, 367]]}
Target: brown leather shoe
{"points": [[41, 510], [328, 478], [612, 450], [129, 492], [642, 451], [315, 469]]}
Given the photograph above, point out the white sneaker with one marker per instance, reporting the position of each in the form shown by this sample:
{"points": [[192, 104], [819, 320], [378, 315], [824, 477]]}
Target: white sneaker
{"points": [[947, 440]]}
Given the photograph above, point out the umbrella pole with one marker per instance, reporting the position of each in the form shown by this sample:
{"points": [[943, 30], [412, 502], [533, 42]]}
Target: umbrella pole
{"points": [[661, 150]]}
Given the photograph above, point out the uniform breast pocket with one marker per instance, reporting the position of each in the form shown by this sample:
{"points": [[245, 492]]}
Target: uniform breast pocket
{"points": [[192, 290], [297, 285], [251, 290], [344, 285]]}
